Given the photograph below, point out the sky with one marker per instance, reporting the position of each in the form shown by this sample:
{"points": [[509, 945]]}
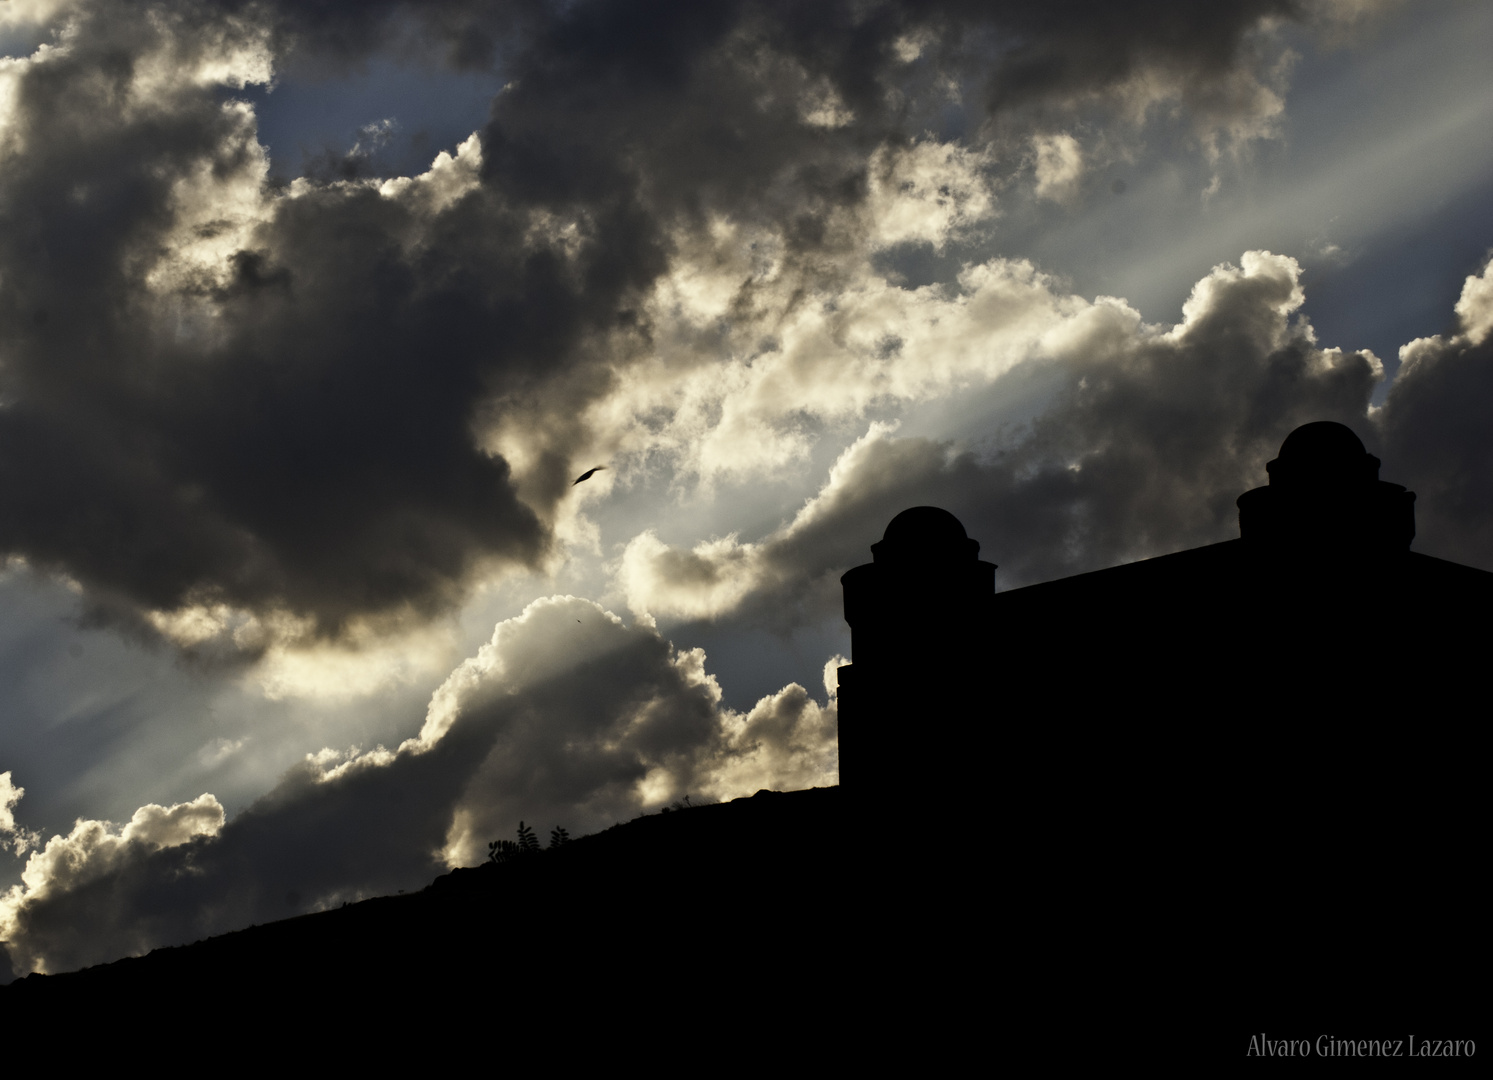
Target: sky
{"points": [[311, 313]]}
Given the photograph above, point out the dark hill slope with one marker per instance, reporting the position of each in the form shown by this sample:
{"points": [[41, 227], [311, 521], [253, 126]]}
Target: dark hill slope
{"points": [[709, 900], [801, 929]]}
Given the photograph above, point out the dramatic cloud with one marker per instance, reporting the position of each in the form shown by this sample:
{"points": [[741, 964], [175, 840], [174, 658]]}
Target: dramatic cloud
{"points": [[566, 717], [69, 898], [11, 835], [300, 424], [1059, 166], [1437, 440], [249, 414], [1150, 436]]}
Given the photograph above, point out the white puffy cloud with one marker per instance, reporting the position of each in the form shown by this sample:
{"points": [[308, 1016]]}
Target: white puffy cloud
{"points": [[594, 720], [1437, 440], [786, 742], [925, 193], [65, 895], [832, 356], [443, 184], [1059, 166], [1153, 434], [746, 337], [567, 716], [1475, 306], [12, 835]]}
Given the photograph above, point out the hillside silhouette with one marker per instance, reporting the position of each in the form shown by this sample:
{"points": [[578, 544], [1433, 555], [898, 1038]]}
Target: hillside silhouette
{"points": [[812, 924], [674, 905]]}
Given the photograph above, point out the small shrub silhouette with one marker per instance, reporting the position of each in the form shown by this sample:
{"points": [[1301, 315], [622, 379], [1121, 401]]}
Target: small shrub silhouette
{"points": [[685, 804], [528, 843], [501, 851]]}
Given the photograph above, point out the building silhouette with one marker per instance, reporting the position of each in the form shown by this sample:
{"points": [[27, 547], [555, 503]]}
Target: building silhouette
{"points": [[1149, 812], [1255, 768]]}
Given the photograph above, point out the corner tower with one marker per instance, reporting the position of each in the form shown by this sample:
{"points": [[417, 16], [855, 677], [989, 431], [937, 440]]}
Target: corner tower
{"points": [[919, 615], [1326, 503]]}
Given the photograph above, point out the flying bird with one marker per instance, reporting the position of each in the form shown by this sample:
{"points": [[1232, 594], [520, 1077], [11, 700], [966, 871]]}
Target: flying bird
{"points": [[587, 474]]}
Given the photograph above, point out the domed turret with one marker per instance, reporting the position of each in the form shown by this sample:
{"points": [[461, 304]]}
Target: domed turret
{"points": [[1323, 455], [919, 616], [926, 535], [1325, 499]]}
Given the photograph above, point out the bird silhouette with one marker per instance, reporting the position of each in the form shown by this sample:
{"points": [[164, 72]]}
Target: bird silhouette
{"points": [[587, 474]]}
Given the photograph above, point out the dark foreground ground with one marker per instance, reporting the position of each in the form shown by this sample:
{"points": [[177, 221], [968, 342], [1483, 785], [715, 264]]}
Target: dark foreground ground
{"points": [[784, 930], [667, 917]]}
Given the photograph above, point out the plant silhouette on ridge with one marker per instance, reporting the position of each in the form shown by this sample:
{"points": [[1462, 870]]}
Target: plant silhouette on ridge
{"points": [[685, 804], [501, 851], [528, 843]]}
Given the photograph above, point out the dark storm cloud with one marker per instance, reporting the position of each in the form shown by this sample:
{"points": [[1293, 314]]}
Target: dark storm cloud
{"points": [[318, 32], [1011, 54], [297, 421], [1077, 46], [567, 717], [700, 106], [290, 425], [312, 448]]}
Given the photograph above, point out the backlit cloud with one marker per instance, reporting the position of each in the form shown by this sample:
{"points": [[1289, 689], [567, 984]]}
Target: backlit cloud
{"points": [[301, 407], [1151, 435], [11, 835], [1436, 439], [783, 269], [568, 716]]}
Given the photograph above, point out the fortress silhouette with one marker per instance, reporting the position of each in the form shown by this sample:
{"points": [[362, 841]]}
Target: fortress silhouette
{"points": [[1255, 769], [1301, 614], [1233, 791]]}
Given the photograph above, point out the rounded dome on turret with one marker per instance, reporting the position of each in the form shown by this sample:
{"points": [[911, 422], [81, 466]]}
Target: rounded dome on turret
{"points": [[1325, 497], [925, 534], [1323, 454]]}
